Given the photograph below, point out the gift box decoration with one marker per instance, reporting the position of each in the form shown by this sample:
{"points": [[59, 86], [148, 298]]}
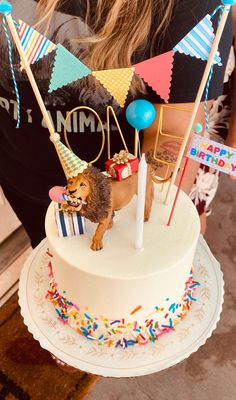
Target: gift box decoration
{"points": [[69, 224], [122, 165]]}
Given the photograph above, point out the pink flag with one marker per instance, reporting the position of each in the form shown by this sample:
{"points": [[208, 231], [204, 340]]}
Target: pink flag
{"points": [[157, 73]]}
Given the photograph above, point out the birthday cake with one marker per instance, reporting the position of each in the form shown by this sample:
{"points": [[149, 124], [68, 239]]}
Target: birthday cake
{"points": [[122, 296], [102, 284]]}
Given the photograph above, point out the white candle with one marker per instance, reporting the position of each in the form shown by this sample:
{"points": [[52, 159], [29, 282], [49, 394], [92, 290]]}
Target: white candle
{"points": [[142, 179]]}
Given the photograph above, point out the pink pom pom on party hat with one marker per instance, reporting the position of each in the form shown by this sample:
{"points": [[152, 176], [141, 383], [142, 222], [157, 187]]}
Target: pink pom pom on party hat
{"points": [[56, 193]]}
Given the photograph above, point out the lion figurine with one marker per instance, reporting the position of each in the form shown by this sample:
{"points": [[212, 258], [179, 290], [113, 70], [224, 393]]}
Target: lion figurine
{"points": [[96, 196]]}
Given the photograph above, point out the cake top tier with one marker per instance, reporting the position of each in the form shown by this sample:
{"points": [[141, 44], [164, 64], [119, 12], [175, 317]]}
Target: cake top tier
{"points": [[119, 259]]}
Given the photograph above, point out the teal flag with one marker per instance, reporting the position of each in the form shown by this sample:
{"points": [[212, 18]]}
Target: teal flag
{"points": [[67, 68]]}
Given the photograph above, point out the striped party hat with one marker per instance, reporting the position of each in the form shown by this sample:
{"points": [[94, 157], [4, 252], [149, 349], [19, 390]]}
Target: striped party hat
{"points": [[71, 164]]}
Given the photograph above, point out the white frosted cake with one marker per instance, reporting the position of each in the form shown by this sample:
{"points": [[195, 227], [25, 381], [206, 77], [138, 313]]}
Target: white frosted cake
{"points": [[121, 296]]}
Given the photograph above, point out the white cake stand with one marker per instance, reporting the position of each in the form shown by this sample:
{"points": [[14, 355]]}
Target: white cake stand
{"points": [[73, 349]]}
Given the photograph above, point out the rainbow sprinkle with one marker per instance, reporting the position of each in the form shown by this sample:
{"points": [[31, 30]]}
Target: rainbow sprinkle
{"points": [[135, 310], [119, 333]]}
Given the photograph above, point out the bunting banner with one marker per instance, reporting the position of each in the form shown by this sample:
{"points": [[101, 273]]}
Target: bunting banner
{"points": [[116, 81], [67, 68], [197, 43], [157, 73], [35, 45], [213, 154]]}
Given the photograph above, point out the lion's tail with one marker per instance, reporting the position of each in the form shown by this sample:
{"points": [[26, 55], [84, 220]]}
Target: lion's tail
{"points": [[153, 167]]}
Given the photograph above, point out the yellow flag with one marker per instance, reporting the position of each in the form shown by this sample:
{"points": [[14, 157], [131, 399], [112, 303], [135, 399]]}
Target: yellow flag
{"points": [[116, 81]]}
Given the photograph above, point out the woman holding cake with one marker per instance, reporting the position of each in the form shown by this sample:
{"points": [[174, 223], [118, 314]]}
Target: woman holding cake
{"points": [[103, 35]]}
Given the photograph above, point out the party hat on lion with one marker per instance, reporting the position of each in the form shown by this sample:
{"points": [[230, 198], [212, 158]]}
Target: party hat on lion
{"points": [[71, 164]]}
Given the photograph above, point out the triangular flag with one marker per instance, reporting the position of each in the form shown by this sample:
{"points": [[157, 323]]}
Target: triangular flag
{"points": [[197, 43], [35, 45], [67, 68], [72, 165], [157, 73], [116, 81]]}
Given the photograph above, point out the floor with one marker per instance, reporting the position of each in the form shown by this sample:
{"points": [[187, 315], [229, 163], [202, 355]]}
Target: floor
{"points": [[13, 253], [7, 215], [14, 249], [210, 373]]}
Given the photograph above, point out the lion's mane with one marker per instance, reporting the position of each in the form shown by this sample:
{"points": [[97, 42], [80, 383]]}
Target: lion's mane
{"points": [[99, 199]]}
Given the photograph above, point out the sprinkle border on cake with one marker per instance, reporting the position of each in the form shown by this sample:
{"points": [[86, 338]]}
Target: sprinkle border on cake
{"points": [[120, 332]]}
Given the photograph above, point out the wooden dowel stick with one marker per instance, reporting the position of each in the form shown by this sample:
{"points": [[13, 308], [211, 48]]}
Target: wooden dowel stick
{"points": [[136, 142], [33, 83], [198, 98]]}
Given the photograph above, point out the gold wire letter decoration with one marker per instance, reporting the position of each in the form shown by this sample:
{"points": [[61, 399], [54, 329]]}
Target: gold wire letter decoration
{"points": [[101, 125], [170, 165]]}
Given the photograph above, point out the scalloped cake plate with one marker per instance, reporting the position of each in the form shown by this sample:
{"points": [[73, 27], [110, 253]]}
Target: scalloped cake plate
{"points": [[67, 345]]}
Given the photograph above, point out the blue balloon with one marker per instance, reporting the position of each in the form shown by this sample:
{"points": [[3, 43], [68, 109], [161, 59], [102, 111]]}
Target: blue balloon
{"points": [[140, 114], [229, 2], [5, 7]]}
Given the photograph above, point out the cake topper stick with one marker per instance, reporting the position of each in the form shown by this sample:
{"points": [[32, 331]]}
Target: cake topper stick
{"points": [[26, 65], [210, 61], [136, 142]]}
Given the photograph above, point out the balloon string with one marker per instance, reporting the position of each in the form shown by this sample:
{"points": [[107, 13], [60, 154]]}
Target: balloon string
{"points": [[221, 7], [206, 98], [12, 70], [16, 23]]}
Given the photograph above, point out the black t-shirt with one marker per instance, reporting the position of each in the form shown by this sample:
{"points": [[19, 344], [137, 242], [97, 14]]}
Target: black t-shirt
{"points": [[28, 160]]}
